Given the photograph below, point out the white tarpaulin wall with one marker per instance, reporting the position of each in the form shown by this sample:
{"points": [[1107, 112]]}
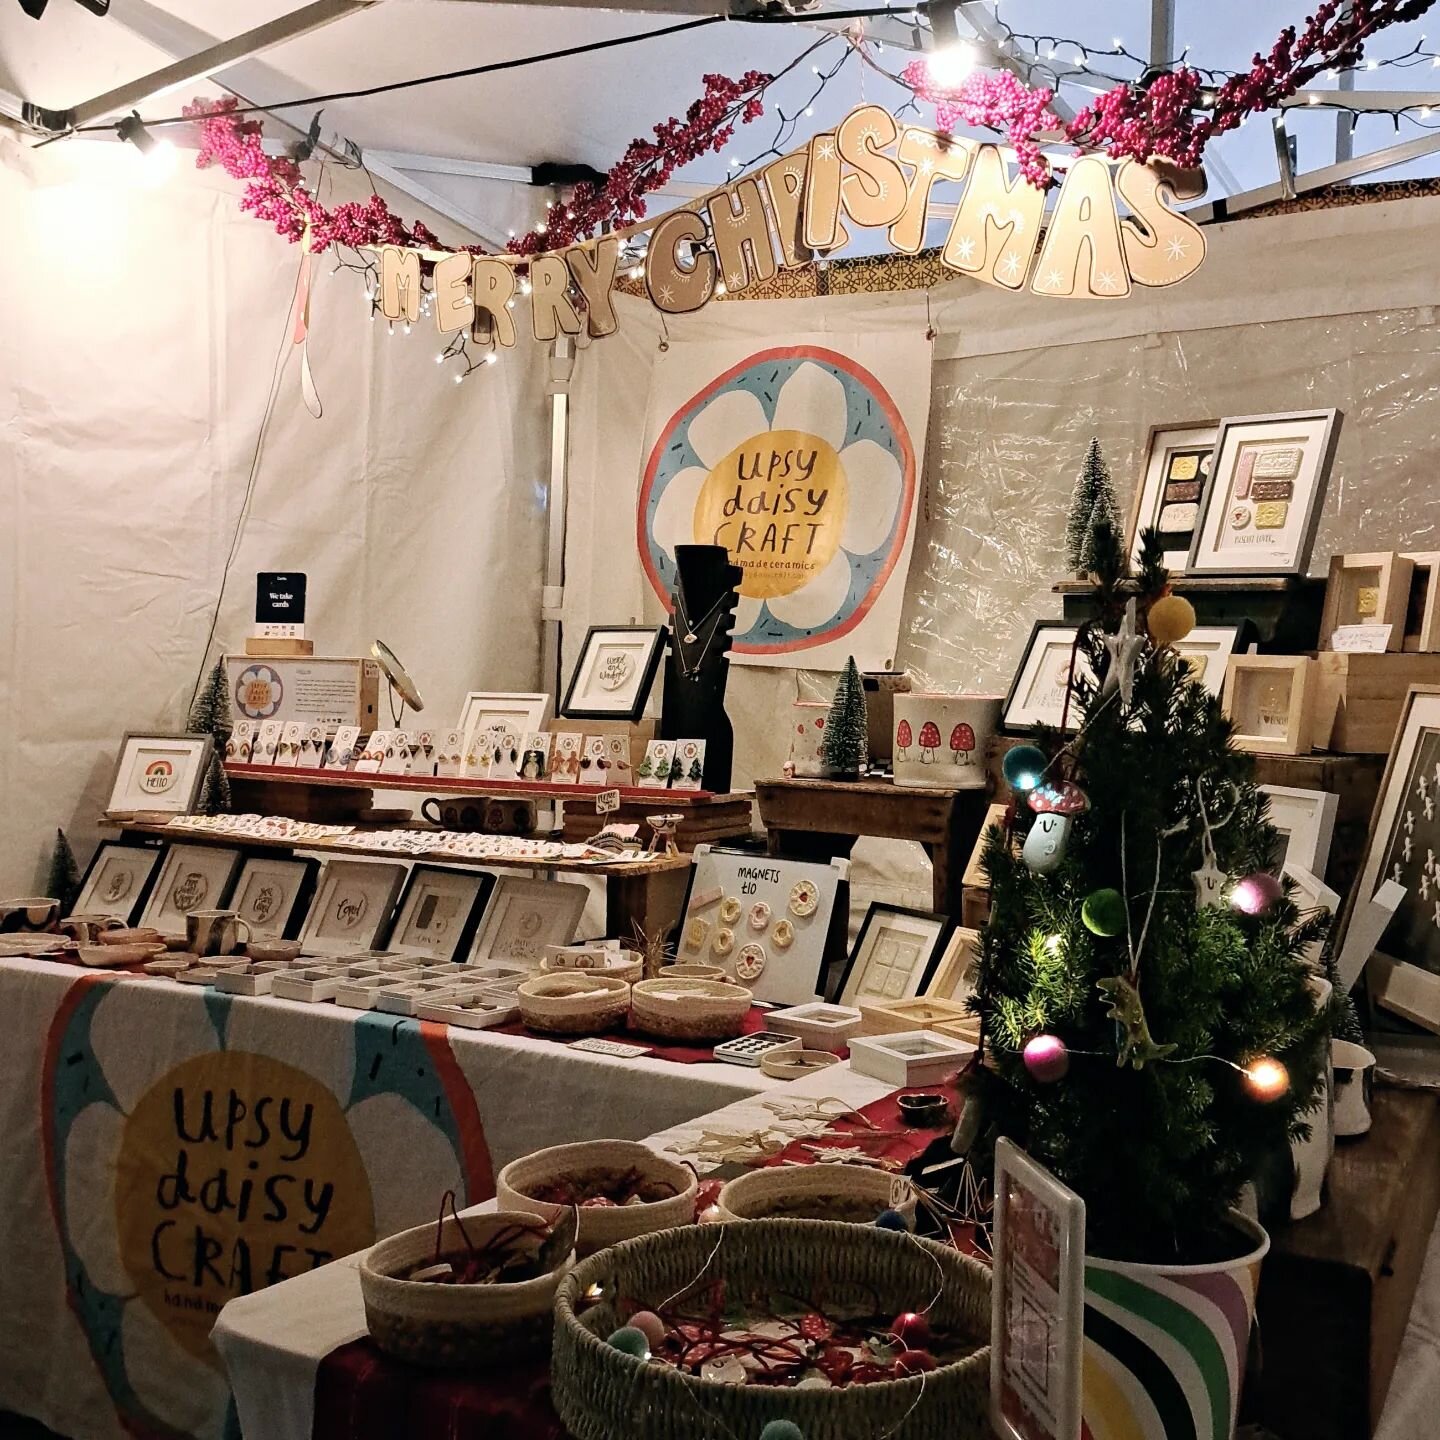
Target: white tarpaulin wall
{"points": [[140, 331]]}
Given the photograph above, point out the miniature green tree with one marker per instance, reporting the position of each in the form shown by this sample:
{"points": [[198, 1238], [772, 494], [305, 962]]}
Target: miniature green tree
{"points": [[846, 744], [64, 881], [1151, 967], [1092, 504], [210, 715]]}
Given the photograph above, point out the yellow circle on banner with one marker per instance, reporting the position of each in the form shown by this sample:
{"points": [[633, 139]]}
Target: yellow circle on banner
{"points": [[778, 504], [235, 1171]]}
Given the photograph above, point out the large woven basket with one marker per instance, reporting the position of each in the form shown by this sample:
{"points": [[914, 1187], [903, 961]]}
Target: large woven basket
{"points": [[606, 1224], [573, 1002], [852, 1193], [601, 1393], [685, 1009], [447, 1327]]}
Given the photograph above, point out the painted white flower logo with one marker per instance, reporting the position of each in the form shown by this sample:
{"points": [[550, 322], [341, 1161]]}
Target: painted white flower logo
{"points": [[797, 462], [232, 1147]]}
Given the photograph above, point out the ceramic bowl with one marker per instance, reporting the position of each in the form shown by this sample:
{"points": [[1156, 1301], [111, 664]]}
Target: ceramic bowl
{"points": [[273, 950], [133, 935], [20, 945], [133, 954]]}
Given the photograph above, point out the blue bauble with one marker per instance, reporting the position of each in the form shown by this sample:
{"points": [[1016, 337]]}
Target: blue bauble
{"points": [[890, 1220], [1024, 766]]}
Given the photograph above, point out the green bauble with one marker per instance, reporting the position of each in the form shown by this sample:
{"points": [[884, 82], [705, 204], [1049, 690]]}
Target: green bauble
{"points": [[630, 1341], [782, 1430], [1104, 913]]}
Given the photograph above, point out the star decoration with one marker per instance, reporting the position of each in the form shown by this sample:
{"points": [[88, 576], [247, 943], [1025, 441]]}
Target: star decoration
{"points": [[736, 279], [1176, 248], [965, 247], [825, 150], [1137, 1045], [1123, 648], [927, 166], [1054, 280], [1010, 265], [1108, 280], [1209, 886], [666, 294]]}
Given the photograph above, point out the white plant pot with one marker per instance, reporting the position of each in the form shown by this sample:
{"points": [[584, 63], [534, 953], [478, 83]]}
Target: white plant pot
{"points": [[1354, 1081], [942, 741], [1312, 1157]]}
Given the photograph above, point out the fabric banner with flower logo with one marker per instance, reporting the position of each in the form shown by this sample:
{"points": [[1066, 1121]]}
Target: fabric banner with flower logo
{"points": [[228, 1147], [803, 461]]}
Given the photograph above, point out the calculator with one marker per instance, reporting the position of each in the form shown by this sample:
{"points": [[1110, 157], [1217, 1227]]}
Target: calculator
{"points": [[747, 1049]]}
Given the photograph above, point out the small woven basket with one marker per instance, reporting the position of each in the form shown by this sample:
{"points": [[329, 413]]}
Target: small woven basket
{"points": [[450, 1327], [684, 1009], [573, 1002], [601, 1393], [604, 1224], [851, 1193]]}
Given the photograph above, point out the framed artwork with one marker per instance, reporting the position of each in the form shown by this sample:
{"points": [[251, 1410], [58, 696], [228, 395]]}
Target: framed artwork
{"points": [[1306, 822], [1269, 699], [954, 975], [615, 671], [117, 881], [273, 894], [895, 954], [192, 877], [1262, 504], [1205, 653], [1177, 468], [524, 916], [1422, 611], [1404, 848], [520, 712], [1042, 683], [159, 772], [787, 917], [1369, 589], [438, 911], [352, 903]]}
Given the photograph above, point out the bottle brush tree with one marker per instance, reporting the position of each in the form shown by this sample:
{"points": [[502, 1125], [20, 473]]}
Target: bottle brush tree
{"points": [[1149, 1024], [210, 715], [845, 747], [1092, 504]]}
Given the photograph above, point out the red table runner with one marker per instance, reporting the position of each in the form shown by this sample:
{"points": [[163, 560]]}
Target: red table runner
{"points": [[361, 1394], [678, 1052]]}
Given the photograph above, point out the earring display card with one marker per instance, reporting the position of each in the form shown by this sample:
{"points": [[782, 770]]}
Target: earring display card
{"points": [[241, 745], [595, 761], [292, 735], [449, 753], [617, 758], [267, 742], [565, 758], [687, 770], [654, 771], [342, 752], [505, 758], [372, 754], [397, 753], [535, 755]]}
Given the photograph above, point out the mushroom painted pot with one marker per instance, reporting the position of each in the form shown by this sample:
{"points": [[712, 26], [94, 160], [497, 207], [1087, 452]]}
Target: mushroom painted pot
{"points": [[941, 741]]}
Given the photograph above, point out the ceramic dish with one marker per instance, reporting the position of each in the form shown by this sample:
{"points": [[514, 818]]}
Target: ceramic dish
{"points": [[112, 955], [273, 950], [32, 944]]}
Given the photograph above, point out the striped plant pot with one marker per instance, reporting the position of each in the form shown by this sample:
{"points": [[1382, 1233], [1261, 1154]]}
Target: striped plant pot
{"points": [[1165, 1345]]}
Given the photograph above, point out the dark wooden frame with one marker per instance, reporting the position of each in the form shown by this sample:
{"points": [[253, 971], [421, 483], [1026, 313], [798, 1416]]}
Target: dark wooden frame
{"points": [[465, 936], [660, 634], [878, 907]]}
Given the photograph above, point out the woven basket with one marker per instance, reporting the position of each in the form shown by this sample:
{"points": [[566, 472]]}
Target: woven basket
{"points": [[606, 1224], [810, 1192], [601, 1393], [682, 1009], [576, 1002], [446, 1327]]}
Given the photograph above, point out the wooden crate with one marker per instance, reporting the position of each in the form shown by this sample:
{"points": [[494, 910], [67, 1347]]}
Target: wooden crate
{"points": [[1358, 698], [726, 817], [1336, 1288]]}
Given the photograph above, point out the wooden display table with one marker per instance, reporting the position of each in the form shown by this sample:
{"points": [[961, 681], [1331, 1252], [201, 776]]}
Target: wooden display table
{"points": [[639, 894], [342, 797], [819, 819], [1336, 1288]]}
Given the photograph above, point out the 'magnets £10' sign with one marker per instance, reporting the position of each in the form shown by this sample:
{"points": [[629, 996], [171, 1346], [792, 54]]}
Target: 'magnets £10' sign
{"points": [[1112, 226]]}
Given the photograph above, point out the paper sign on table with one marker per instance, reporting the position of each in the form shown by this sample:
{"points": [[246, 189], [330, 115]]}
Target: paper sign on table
{"points": [[1361, 639]]}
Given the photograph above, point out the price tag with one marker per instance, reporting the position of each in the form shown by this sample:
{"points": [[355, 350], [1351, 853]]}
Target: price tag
{"points": [[1361, 639], [607, 801]]}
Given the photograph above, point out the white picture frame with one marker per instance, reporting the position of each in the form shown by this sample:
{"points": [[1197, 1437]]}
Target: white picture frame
{"points": [[352, 904], [159, 773], [520, 711], [1042, 680], [1306, 821], [1207, 650], [895, 954], [117, 880], [1038, 1300], [524, 917], [438, 911], [191, 877], [272, 894], [614, 672], [1255, 455], [1177, 457]]}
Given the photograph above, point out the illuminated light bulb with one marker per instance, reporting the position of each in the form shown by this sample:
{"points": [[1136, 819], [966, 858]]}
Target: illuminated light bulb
{"points": [[510, 303], [1052, 945], [735, 162], [407, 327], [511, 234], [1266, 1079], [1314, 100], [524, 287], [949, 66], [1024, 767], [491, 358], [541, 228], [157, 156], [1118, 43], [1372, 64], [1050, 53], [1425, 112], [809, 109], [719, 287], [637, 272], [370, 296], [459, 378], [440, 358], [390, 328]]}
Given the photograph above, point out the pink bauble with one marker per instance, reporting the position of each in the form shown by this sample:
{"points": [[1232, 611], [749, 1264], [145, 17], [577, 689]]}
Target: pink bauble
{"points": [[1046, 1058], [650, 1325], [1256, 893]]}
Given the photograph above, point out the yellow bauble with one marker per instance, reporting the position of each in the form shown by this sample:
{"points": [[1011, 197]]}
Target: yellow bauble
{"points": [[1171, 619]]}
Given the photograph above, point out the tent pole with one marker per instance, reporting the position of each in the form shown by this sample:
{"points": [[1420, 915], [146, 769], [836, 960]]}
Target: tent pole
{"points": [[562, 364]]}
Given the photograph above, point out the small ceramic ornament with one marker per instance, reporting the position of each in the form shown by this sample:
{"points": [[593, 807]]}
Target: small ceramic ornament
{"points": [[535, 755], [1055, 808], [1137, 1045], [1209, 886], [1124, 649]]}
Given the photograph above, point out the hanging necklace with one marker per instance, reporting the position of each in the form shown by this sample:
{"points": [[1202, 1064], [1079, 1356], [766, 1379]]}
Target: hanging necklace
{"points": [[692, 633], [692, 629]]}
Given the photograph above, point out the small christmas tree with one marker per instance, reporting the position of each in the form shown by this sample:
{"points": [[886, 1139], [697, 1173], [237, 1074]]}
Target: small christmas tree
{"points": [[845, 746], [64, 882], [210, 715], [1092, 505], [1148, 1025]]}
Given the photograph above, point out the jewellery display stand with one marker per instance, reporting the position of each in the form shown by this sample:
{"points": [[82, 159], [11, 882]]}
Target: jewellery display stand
{"points": [[697, 668]]}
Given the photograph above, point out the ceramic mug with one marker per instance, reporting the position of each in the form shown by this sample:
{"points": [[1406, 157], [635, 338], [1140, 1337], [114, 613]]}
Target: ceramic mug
{"points": [[452, 814], [1354, 1069], [36, 914], [214, 932], [86, 929]]}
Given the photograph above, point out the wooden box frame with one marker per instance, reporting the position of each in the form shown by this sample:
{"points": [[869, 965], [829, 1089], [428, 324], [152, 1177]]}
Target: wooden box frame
{"points": [[1245, 670], [1306, 818], [1422, 610], [956, 966], [1393, 573], [923, 1012]]}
